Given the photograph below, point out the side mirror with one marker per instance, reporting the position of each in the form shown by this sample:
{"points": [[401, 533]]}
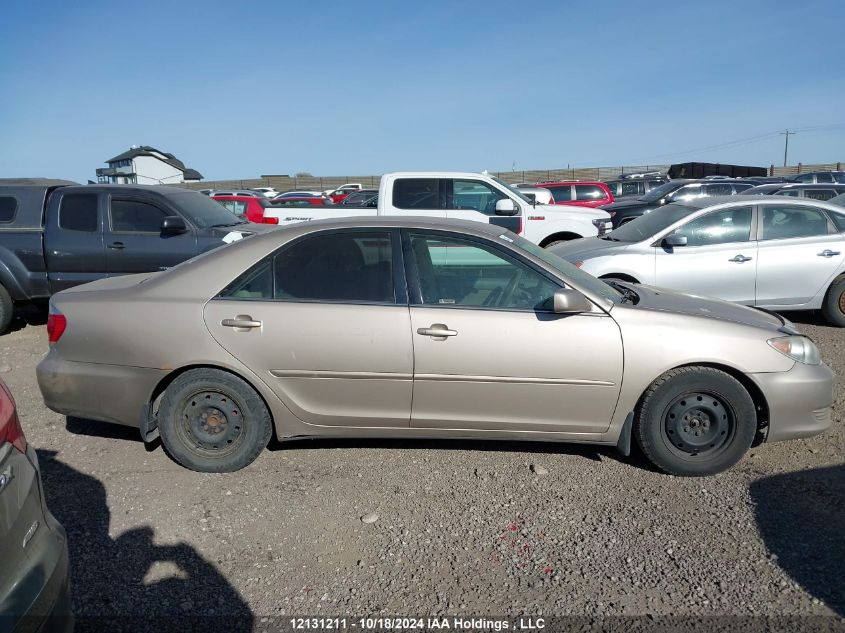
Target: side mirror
{"points": [[173, 225], [675, 239], [506, 206], [568, 301]]}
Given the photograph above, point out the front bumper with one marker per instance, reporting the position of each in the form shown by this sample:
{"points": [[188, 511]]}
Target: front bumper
{"points": [[109, 393], [800, 401]]}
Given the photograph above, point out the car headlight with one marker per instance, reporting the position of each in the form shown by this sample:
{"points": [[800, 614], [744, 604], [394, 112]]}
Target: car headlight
{"points": [[798, 348]]}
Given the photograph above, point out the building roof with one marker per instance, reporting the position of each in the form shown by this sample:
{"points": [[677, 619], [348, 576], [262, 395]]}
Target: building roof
{"points": [[170, 159]]}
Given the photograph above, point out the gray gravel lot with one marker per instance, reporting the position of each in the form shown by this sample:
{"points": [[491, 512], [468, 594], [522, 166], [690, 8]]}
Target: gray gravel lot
{"points": [[461, 527]]}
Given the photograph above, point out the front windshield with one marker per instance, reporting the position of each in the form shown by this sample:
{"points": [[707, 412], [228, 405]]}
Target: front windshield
{"points": [[516, 192], [568, 271], [650, 223], [204, 212], [662, 190]]}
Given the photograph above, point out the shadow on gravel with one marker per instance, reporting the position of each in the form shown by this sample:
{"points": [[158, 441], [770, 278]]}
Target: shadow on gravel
{"points": [[806, 317], [801, 517], [94, 428], [28, 315], [588, 451], [128, 583]]}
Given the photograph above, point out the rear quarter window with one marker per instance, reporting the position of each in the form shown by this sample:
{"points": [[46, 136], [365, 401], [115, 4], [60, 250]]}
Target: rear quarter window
{"points": [[838, 221], [8, 208]]}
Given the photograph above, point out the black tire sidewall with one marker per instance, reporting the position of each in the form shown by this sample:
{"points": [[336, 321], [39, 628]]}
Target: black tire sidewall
{"points": [[650, 430], [7, 310], [254, 414], [830, 308]]}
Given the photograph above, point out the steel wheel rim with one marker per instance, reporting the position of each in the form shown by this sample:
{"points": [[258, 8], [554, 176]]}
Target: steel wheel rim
{"points": [[698, 424], [211, 423], [842, 302]]}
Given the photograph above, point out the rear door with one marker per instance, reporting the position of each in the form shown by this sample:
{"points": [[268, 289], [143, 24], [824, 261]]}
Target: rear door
{"points": [[326, 327], [73, 240], [719, 260], [799, 252], [418, 196], [133, 237]]}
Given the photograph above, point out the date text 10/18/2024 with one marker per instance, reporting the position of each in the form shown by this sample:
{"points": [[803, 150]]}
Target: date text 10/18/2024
{"points": [[426, 623]]}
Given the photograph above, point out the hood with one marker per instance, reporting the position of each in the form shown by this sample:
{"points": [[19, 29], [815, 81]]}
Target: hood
{"points": [[628, 204], [570, 209], [663, 300], [587, 248]]}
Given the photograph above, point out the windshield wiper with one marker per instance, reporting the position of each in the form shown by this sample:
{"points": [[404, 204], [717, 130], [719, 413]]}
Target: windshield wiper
{"points": [[628, 295], [612, 239], [218, 226]]}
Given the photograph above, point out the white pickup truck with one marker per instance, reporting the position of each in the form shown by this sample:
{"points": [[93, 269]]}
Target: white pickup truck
{"points": [[464, 196]]}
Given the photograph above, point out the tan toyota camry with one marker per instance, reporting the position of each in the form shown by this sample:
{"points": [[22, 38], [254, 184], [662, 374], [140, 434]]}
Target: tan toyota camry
{"points": [[416, 327]]}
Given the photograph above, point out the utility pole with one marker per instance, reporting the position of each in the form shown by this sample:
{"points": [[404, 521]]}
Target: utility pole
{"points": [[786, 144]]}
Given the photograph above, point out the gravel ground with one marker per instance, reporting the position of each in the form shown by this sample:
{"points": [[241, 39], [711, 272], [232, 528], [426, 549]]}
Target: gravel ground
{"points": [[449, 527]]}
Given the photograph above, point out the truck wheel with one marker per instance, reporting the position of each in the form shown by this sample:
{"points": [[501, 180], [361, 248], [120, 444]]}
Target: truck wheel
{"points": [[7, 310], [213, 422], [833, 308], [695, 421]]}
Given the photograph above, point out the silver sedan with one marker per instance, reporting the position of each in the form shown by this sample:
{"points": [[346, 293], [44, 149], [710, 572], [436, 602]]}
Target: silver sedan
{"points": [[414, 327], [765, 251]]}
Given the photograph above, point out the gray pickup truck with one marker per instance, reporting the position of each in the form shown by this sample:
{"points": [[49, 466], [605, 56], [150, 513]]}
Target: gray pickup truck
{"points": [[55, 234]]}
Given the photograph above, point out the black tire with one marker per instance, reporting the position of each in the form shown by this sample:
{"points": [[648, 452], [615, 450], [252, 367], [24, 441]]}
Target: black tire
{"points": [[213, 421], [555, 243], [833, 308], [7, 310], [695, 421]]}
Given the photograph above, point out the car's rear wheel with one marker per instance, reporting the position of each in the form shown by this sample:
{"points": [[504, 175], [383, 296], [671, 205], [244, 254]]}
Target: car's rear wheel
{"points": [[833, 308], [212, 421], [7, 310], [695, 421]]}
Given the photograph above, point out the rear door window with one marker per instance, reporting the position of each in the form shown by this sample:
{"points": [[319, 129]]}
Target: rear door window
{"points": [[718, 190], [417, 193], [561, 193], [820, 194], [8, 208], [824, 177], [134, 216], [632, 188], [783, 222], [78, 212]]}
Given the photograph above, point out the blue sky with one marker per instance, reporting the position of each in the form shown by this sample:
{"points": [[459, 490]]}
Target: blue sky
{"points": [[238, 89]]}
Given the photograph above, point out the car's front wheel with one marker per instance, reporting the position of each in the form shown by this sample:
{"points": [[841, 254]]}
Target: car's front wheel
{"points": [[695, 421], [212, 421]]}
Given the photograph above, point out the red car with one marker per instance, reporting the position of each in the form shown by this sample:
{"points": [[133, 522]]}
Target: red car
{"points": [[245, 206], [579, 193]]}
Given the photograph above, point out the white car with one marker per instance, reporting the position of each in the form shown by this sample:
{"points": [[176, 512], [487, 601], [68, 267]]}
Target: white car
{"points": [[540, 195], [349, 187], [764, 251], [267, 192], [464, 196]]}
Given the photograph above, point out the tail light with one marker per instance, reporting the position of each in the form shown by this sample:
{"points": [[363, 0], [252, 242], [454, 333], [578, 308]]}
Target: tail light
{"points": [[271, 220], [10, 426], [56, 326]]}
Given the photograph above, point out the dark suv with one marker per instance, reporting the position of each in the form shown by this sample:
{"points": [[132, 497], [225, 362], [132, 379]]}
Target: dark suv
{"points": [[635, 185], [821, 177], [673, 191]]}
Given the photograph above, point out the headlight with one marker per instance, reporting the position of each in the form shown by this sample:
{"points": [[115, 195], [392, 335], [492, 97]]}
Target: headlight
{"points": [[798, 348]]}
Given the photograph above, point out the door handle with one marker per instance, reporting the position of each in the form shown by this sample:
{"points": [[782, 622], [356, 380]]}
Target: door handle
{"points": [[828, 253], [117, 246], [740, 259], [437, 331], [242, 322]]}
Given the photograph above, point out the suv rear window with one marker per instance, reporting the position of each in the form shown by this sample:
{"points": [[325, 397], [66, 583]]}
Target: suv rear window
{"points": [[8, 208], [589, 192]]}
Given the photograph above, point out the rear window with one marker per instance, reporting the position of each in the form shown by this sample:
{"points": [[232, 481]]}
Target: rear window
{"points": [[562, 193], [8, 208], [78, 212], [416, 193]]}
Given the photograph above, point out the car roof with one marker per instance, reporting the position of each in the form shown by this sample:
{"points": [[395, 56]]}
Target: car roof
{"points": [[712, 201], [543, 185], [812, 185]]}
